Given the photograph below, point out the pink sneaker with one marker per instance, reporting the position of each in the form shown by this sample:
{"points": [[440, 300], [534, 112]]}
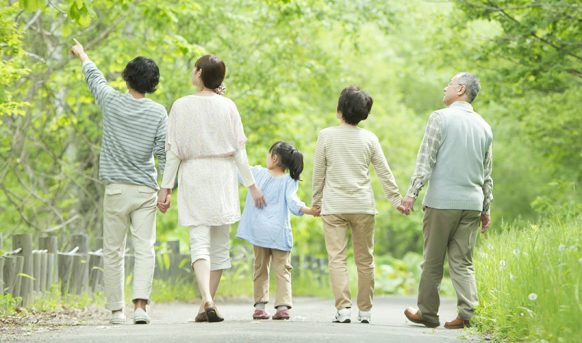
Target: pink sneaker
{"points": [[261, 314], [281, 315]]}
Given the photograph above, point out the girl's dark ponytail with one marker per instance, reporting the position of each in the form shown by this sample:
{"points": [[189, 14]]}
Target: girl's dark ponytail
{"points": [[289, 158], [296, 164]]}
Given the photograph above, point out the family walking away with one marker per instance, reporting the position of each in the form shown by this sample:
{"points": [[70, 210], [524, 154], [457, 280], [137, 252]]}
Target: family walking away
{"points": [[201, 148]]}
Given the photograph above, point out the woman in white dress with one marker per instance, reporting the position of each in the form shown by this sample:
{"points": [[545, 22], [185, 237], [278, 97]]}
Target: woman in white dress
{"points": [[205, 148]]}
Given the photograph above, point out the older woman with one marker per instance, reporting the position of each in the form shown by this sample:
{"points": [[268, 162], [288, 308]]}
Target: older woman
{"points": [[206, 149]]}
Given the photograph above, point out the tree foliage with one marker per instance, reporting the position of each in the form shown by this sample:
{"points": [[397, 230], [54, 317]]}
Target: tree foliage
{"points": [[287, 61]]}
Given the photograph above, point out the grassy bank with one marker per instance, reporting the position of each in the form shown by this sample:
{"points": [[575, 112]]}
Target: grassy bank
{"points": [[530, 278]]}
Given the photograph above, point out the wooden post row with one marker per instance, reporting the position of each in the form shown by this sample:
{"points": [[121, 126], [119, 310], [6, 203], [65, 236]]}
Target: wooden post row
{"points": [[25, 277]]}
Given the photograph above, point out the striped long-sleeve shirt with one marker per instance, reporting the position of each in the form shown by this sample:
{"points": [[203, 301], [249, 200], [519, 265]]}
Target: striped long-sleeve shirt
{"points": [[134, 130], [341, 171]]}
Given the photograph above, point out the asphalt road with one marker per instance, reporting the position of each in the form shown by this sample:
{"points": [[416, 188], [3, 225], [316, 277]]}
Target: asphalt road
{"points": [[310, 322]]}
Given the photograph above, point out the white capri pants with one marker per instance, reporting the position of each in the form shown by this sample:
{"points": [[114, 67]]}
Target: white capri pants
{"points": [[211, 243]]}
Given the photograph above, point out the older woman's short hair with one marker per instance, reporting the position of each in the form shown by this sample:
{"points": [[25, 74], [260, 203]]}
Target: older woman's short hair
{"points": [[354, 104]]}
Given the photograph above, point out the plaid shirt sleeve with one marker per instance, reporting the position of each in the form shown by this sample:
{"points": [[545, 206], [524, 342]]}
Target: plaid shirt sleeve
{"points": [[427, 154], [488, 181]]}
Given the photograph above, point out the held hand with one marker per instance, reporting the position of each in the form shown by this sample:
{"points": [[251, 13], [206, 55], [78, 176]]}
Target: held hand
{"points": [[485, 221], [257, 196], [164, 199], [314, 211], [407, 205]]}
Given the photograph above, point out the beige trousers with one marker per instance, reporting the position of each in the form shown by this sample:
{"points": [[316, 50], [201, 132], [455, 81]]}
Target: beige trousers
{"points": [[452, 232], [282, 267], [130, 207], [335, 228]]}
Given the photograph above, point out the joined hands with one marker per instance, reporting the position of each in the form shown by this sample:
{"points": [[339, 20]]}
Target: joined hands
{"points": [[164, 199]]}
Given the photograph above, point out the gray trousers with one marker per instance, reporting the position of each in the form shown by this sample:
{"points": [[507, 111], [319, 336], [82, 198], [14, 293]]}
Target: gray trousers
{"points": [[451, 232]]}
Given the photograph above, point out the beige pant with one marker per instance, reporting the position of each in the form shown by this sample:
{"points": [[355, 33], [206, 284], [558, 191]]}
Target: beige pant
{"points": [[211, 243], [335, 228], [128, 207], [452, 232], [282, 267]]}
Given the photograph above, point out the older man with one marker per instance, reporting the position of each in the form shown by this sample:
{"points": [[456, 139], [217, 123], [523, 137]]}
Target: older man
{"points": [[455, 158]]}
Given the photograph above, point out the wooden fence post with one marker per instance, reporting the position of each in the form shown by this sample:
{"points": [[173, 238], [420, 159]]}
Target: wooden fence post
{"points": [[24, 242], [65, 262], [50, 244], [95, 271], [43, 270], [17, 280], [9, 272], [36, 270], [81, 264]]}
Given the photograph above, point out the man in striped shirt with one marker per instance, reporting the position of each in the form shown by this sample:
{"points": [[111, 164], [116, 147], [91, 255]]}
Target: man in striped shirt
{"points": [[134, 129]]}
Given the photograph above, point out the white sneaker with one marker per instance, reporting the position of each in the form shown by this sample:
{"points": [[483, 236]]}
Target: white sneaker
{"points": [[117, 318], [343, 316], [140, 316], [365, 317]]}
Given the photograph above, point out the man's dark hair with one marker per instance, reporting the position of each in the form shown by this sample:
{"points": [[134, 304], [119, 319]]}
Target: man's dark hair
{"points": [[142, 74], [354, 105], [213, 71]]}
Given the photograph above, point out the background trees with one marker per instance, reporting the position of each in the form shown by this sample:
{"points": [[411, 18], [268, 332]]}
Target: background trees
{"points": [[287, 62]]}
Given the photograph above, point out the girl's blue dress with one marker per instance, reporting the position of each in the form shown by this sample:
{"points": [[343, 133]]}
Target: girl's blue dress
{"points": [[270, 227]]}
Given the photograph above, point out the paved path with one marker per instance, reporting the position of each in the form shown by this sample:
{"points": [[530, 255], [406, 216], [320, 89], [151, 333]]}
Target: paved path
{"points": [[310, 322]]}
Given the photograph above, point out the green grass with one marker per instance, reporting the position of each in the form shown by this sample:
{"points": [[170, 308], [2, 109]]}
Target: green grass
{"points": [[8, 304], [50, 301], [529, 278]]}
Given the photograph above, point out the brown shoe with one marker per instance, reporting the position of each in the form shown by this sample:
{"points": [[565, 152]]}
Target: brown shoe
{"points": [[212, 313], [201, 317], [458, 323], [415, 317]]}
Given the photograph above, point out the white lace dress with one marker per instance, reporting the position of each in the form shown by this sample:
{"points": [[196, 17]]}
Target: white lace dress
{"points": [[205, 148]]}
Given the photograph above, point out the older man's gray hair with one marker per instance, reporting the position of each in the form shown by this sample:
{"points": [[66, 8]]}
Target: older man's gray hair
{"points": [[471, 83]]}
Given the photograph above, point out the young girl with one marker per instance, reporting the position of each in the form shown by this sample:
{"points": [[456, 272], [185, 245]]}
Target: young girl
{"points": [[269, 228]]}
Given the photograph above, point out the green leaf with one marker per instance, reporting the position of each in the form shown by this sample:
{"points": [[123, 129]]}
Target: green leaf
{"points": [[84, 20], [74, 12], [32, 5], [26, 276]]}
